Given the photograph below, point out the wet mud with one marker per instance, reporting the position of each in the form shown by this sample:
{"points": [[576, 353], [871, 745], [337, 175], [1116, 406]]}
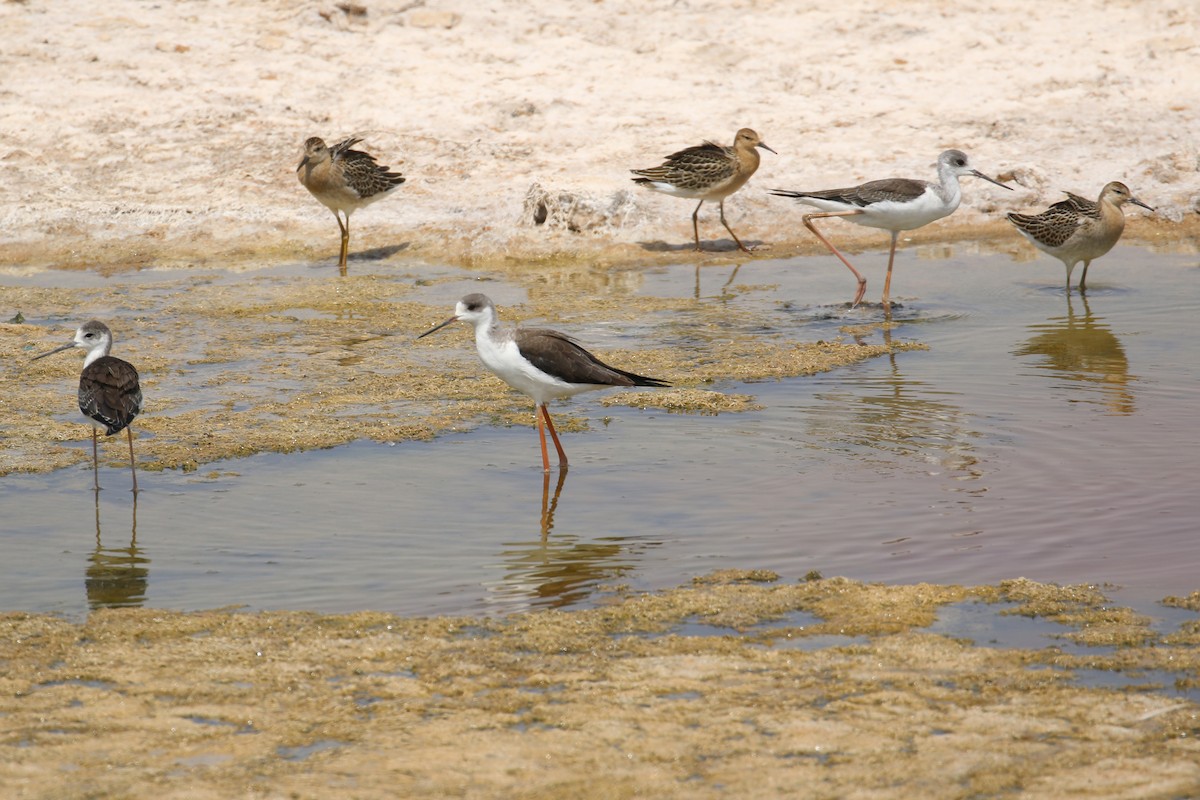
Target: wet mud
{"points": [[740, 684]]}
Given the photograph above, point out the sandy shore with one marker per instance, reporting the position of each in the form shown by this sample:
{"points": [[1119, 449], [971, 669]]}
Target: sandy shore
{"points": [[133, 133]]}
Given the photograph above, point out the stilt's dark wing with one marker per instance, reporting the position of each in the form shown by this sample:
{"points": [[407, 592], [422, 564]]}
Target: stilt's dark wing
{"points": [[109, 393], [561, 356], [899, 190]]}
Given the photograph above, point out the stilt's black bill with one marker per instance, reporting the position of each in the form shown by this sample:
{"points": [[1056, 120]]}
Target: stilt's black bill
{"points": [[59, 349], [434, 329]]}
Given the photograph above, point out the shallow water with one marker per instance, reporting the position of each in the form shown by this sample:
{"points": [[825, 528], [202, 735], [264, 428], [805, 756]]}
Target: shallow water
{"points": [[1042, 435]]}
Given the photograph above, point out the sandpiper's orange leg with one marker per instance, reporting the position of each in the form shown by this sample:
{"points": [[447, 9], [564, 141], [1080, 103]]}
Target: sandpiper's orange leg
{"points": [[345, 229], [696, 225], [807, 220], [132, 466], [742, 247], [887, 282], [562, 456]]}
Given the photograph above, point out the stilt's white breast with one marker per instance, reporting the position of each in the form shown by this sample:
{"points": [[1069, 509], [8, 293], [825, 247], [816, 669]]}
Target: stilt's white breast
{"points": [[499, 353], [913, 214]]}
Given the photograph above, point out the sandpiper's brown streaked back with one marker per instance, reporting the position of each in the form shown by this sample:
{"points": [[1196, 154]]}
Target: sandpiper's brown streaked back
{"points": [[542, 363], [344, 180], [1078, 229], [109, 391], [708, 171], [892, 204]]}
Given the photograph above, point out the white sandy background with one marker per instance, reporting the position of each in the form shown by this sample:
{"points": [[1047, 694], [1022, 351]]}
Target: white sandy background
{"points": [[183, 121]]}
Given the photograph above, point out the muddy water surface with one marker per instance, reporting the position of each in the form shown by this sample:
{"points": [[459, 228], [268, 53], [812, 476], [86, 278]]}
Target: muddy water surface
{"points": [[1040, 435]]}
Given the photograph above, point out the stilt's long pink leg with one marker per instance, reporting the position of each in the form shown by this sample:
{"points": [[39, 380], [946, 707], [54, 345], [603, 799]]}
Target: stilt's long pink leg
{"points": [[541, 426], [862, 282], [887, 282], [562, 456]]}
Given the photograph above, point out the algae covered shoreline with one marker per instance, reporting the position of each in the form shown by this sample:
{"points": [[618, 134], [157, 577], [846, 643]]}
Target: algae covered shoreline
{"points": [[233, 365], [240, 357], [707, 690]]}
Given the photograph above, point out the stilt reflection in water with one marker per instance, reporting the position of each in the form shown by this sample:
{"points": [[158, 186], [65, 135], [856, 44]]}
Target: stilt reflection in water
{"points": [[1083, 349], [896, 414], [561, 570], [549, 506], [117, 577]]}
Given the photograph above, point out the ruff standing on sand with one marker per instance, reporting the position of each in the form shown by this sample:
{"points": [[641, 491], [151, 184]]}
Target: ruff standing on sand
{"points": [[108, 388], [893, 204], [1076, 229], [344, 180], [543, 364], [708, 172]]}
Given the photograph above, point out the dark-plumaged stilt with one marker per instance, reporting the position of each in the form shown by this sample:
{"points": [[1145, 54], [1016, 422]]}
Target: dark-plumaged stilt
{"points": [[109, 392]]}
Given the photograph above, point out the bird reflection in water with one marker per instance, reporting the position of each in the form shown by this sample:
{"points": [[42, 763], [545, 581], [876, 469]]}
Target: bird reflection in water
{"points": [[1084, 351], [117, 577], [725, 294], [895, 414], [549, 506], [557, 571]]}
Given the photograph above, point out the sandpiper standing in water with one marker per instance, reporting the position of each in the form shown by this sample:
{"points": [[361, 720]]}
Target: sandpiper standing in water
{"points": [[1077, 229]]}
